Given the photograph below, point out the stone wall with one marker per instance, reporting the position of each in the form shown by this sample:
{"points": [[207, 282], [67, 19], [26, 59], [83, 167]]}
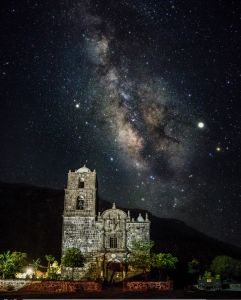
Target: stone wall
{"points": [[147, 285], [41, 286], [16, 284], [65, 286]]}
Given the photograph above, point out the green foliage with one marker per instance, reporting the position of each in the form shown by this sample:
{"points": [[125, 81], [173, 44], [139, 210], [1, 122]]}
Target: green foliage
{"points": [[5, 262], [36, 265], [49, 258], [27, 277], [19, 260], [55, 270], [73, 258], [226, 266], [196, 265], [207, 275], [200, 265], [140, 254], [141, 246], [10, 264], [140, 262], [162, 262]]}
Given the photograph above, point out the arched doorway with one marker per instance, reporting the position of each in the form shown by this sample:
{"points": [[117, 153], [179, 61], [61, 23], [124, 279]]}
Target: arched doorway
{"points": [[114, 271]]}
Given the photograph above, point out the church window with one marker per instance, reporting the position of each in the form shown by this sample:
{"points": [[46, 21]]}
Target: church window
{"points": [[113, 242], [80, 203]]}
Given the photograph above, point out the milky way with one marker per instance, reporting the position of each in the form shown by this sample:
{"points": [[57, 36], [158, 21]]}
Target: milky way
{"points": [[145, 92]]}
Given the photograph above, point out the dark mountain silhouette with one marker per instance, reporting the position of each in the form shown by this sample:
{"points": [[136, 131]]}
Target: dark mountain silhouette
{"points": [[31, 222]]}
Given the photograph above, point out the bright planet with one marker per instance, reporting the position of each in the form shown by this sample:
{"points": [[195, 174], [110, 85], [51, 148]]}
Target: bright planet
{"points": [[200, 125]]}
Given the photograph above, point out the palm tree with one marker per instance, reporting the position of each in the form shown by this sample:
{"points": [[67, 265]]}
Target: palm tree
{"points": [[36, 265], [49, 258], [5, 260]]}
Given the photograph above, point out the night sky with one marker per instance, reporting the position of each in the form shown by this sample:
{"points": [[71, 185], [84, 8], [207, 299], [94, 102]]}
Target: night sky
{"points": [[148, 92]]}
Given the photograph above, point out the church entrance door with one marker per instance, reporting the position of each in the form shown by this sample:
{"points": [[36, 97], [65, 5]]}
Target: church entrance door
{"points": [[114, 272]]}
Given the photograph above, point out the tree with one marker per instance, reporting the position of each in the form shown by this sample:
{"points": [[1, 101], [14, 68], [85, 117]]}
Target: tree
{"points": [[196, 265], [5, 262], [36, 265], [49, 258], [19, 260], [140, 254], [10, 264], [162, 262], [200, 265], [73, 258], [226, 266]]}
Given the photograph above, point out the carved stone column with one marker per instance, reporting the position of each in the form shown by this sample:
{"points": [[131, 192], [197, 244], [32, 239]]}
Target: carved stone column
{"points": [[101, 265], [124, 272], [124, 233], [102, 239]]}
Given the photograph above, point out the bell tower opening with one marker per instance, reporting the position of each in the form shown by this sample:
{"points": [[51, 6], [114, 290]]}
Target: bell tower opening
{"points": [[81, 183], [80, 203]]}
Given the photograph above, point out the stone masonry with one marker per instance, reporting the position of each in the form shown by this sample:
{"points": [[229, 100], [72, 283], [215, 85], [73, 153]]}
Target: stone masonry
{"points": [[134, 286], [16, 284], [104, 238], [24, 285]]}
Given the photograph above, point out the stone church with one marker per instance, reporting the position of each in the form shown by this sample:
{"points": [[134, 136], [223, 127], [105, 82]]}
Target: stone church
{"points": [[105, 238]]}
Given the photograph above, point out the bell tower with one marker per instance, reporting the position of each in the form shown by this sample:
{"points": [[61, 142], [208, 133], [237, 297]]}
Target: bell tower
{"points": [[80, 195]]}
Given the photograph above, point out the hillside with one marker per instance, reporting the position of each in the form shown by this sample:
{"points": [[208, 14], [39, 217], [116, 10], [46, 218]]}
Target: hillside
{"points": [[31, 222]]}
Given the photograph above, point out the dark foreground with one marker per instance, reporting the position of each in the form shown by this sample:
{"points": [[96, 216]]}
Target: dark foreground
{"points": [[119, 294]]}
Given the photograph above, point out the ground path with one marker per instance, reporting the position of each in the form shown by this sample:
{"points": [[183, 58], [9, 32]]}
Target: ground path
{"points": [[116, 292]]}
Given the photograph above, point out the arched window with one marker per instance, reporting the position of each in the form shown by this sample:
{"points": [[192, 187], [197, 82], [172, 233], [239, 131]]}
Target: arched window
{"points": [[81, 183], [80, 203], [113, 242]]}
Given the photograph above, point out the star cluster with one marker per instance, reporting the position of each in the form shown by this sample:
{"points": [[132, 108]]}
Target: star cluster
{"points": [[145, 91]]}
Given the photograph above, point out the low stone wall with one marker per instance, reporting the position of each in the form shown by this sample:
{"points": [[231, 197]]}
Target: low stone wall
{"points": [[67, 286], [147, 285], [44, 286], [16, 284]]}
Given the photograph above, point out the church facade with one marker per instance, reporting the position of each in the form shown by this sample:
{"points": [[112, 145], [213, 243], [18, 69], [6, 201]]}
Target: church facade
{"points": [[103, 239]]}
